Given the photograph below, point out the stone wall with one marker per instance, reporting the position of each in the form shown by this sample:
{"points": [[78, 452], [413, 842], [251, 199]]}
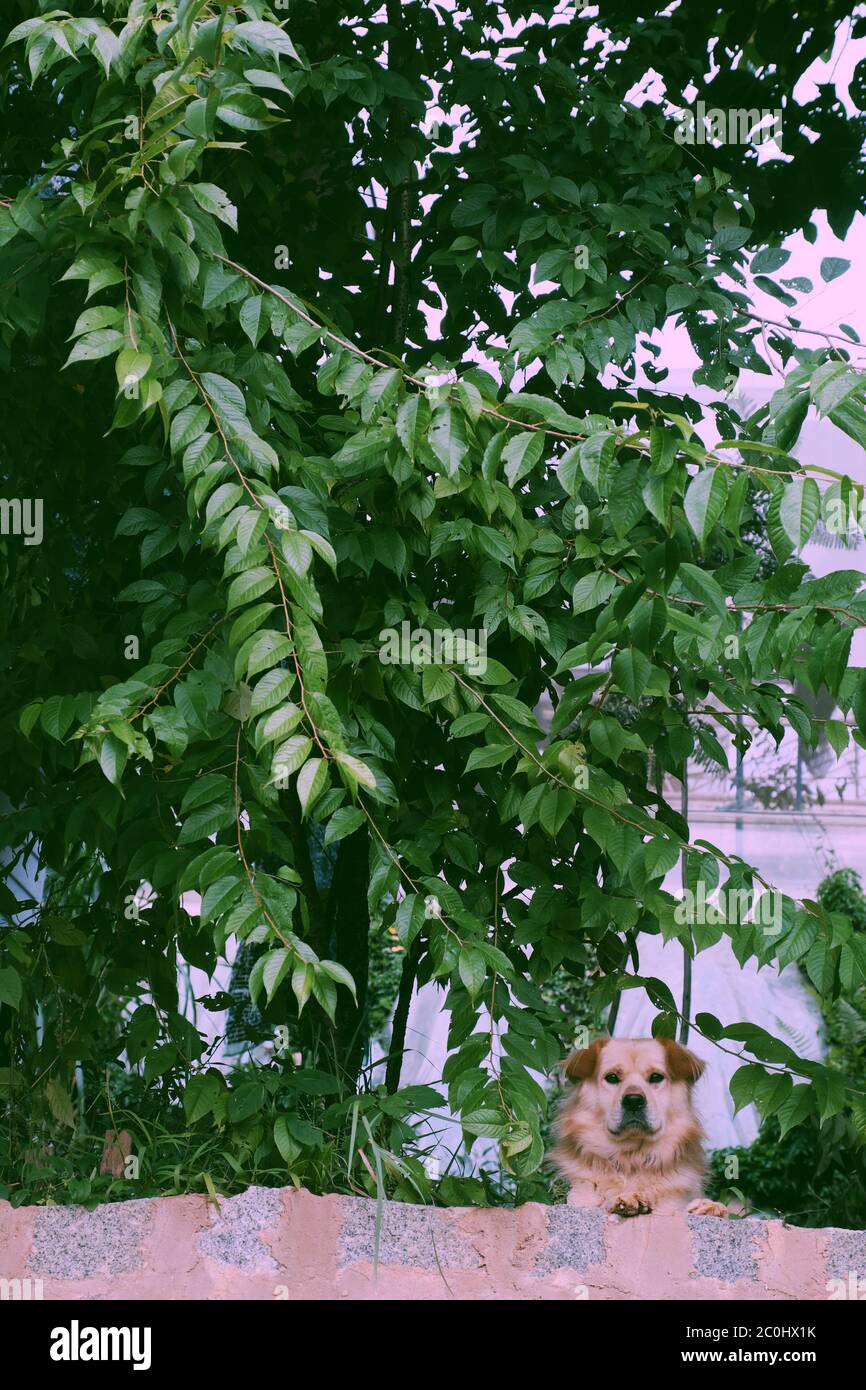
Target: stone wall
{"points": [[282, 1244]]}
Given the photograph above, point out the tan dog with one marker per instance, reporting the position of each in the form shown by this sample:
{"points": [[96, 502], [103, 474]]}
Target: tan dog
{"points": [[628, 1137]]}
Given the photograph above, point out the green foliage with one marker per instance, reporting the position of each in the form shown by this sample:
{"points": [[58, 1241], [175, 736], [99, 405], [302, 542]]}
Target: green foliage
{"points": [[247, 481], [842, 891], [813, 1175], [225, 1137]]}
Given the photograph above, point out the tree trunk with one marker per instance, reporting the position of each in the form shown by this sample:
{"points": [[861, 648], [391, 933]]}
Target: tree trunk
{"points": [[350, 933]]}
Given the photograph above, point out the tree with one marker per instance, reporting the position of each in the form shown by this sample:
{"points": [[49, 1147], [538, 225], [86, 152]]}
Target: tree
{"points": [[254, 471]]}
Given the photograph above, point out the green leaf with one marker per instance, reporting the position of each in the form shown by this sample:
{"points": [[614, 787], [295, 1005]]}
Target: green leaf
{"points": [[768, 261], [302, 984], [521, 454], [100, 316], [705, 501], [340, 975], [187, 425], [213, 200], [112, 758], [264, 37], [254, 318], [201, 1094], [60, 1104], [326, 994], [205, 822], [631, 671], [487, 1123], [245, 1100], [291, 755], [591, 591], [244, 626], [280, 722], [491, 755], [437, 683], [744, 1084], [413, 421], [297, 552], [836, 732], [820, 965], [56, 715], [472, 970], [799, 509], [343, 822], [263, 651], [220, 896], [29, 717], [10, 987], [275, 970], [244, 111], [410, 918], [357, 771], [447, 438], [704, 588], [323, 548], [568, 471], [312, 780], [131, 366], [221, 501], [249, 585], [213, 786], [271, 690], [832, 267], [92, 346], [289, 1150]]}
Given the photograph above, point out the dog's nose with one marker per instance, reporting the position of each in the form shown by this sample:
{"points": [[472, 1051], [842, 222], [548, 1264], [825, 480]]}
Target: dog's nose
{"points": [[634, 1101]]}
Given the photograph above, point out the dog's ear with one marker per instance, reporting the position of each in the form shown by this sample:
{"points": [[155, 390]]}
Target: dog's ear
{"points": [[683, 1065], [581, 1064]]}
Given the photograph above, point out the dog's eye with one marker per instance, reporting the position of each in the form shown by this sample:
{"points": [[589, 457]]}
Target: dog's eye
{"points": [[655, 1077], [612, 1079]]}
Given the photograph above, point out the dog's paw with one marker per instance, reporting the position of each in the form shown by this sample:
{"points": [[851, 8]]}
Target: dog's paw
{"points": [[704, 1206], [630, 1204]]}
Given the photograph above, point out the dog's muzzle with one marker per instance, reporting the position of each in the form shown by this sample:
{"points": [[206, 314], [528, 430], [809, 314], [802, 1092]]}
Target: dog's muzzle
{"points": [[633, 1115]]}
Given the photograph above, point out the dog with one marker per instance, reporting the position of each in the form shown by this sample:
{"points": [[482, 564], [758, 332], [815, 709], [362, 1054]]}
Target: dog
{"points": [[628, 1138]]}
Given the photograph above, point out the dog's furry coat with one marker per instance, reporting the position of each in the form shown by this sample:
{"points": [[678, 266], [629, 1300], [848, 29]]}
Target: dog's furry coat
{"points": [[627, 1134]]}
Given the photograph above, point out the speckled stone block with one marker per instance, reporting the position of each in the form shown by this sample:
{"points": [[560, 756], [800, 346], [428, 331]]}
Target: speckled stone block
{"points": [[723, 1249], [846, 1254], [235, 1237], [423, 1237], [71, 1243], [575, 1239]]}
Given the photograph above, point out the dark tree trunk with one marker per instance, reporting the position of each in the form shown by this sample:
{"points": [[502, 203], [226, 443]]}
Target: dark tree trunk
{"points": [[350, 933], [400, 194], [401, 1015]]}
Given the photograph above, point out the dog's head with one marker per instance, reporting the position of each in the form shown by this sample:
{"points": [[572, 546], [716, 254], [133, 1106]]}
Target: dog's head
{"points": [[633, 1090]]}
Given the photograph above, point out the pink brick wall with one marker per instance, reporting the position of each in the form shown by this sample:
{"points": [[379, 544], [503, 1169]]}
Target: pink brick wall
{"points": [[282, 1244]]}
